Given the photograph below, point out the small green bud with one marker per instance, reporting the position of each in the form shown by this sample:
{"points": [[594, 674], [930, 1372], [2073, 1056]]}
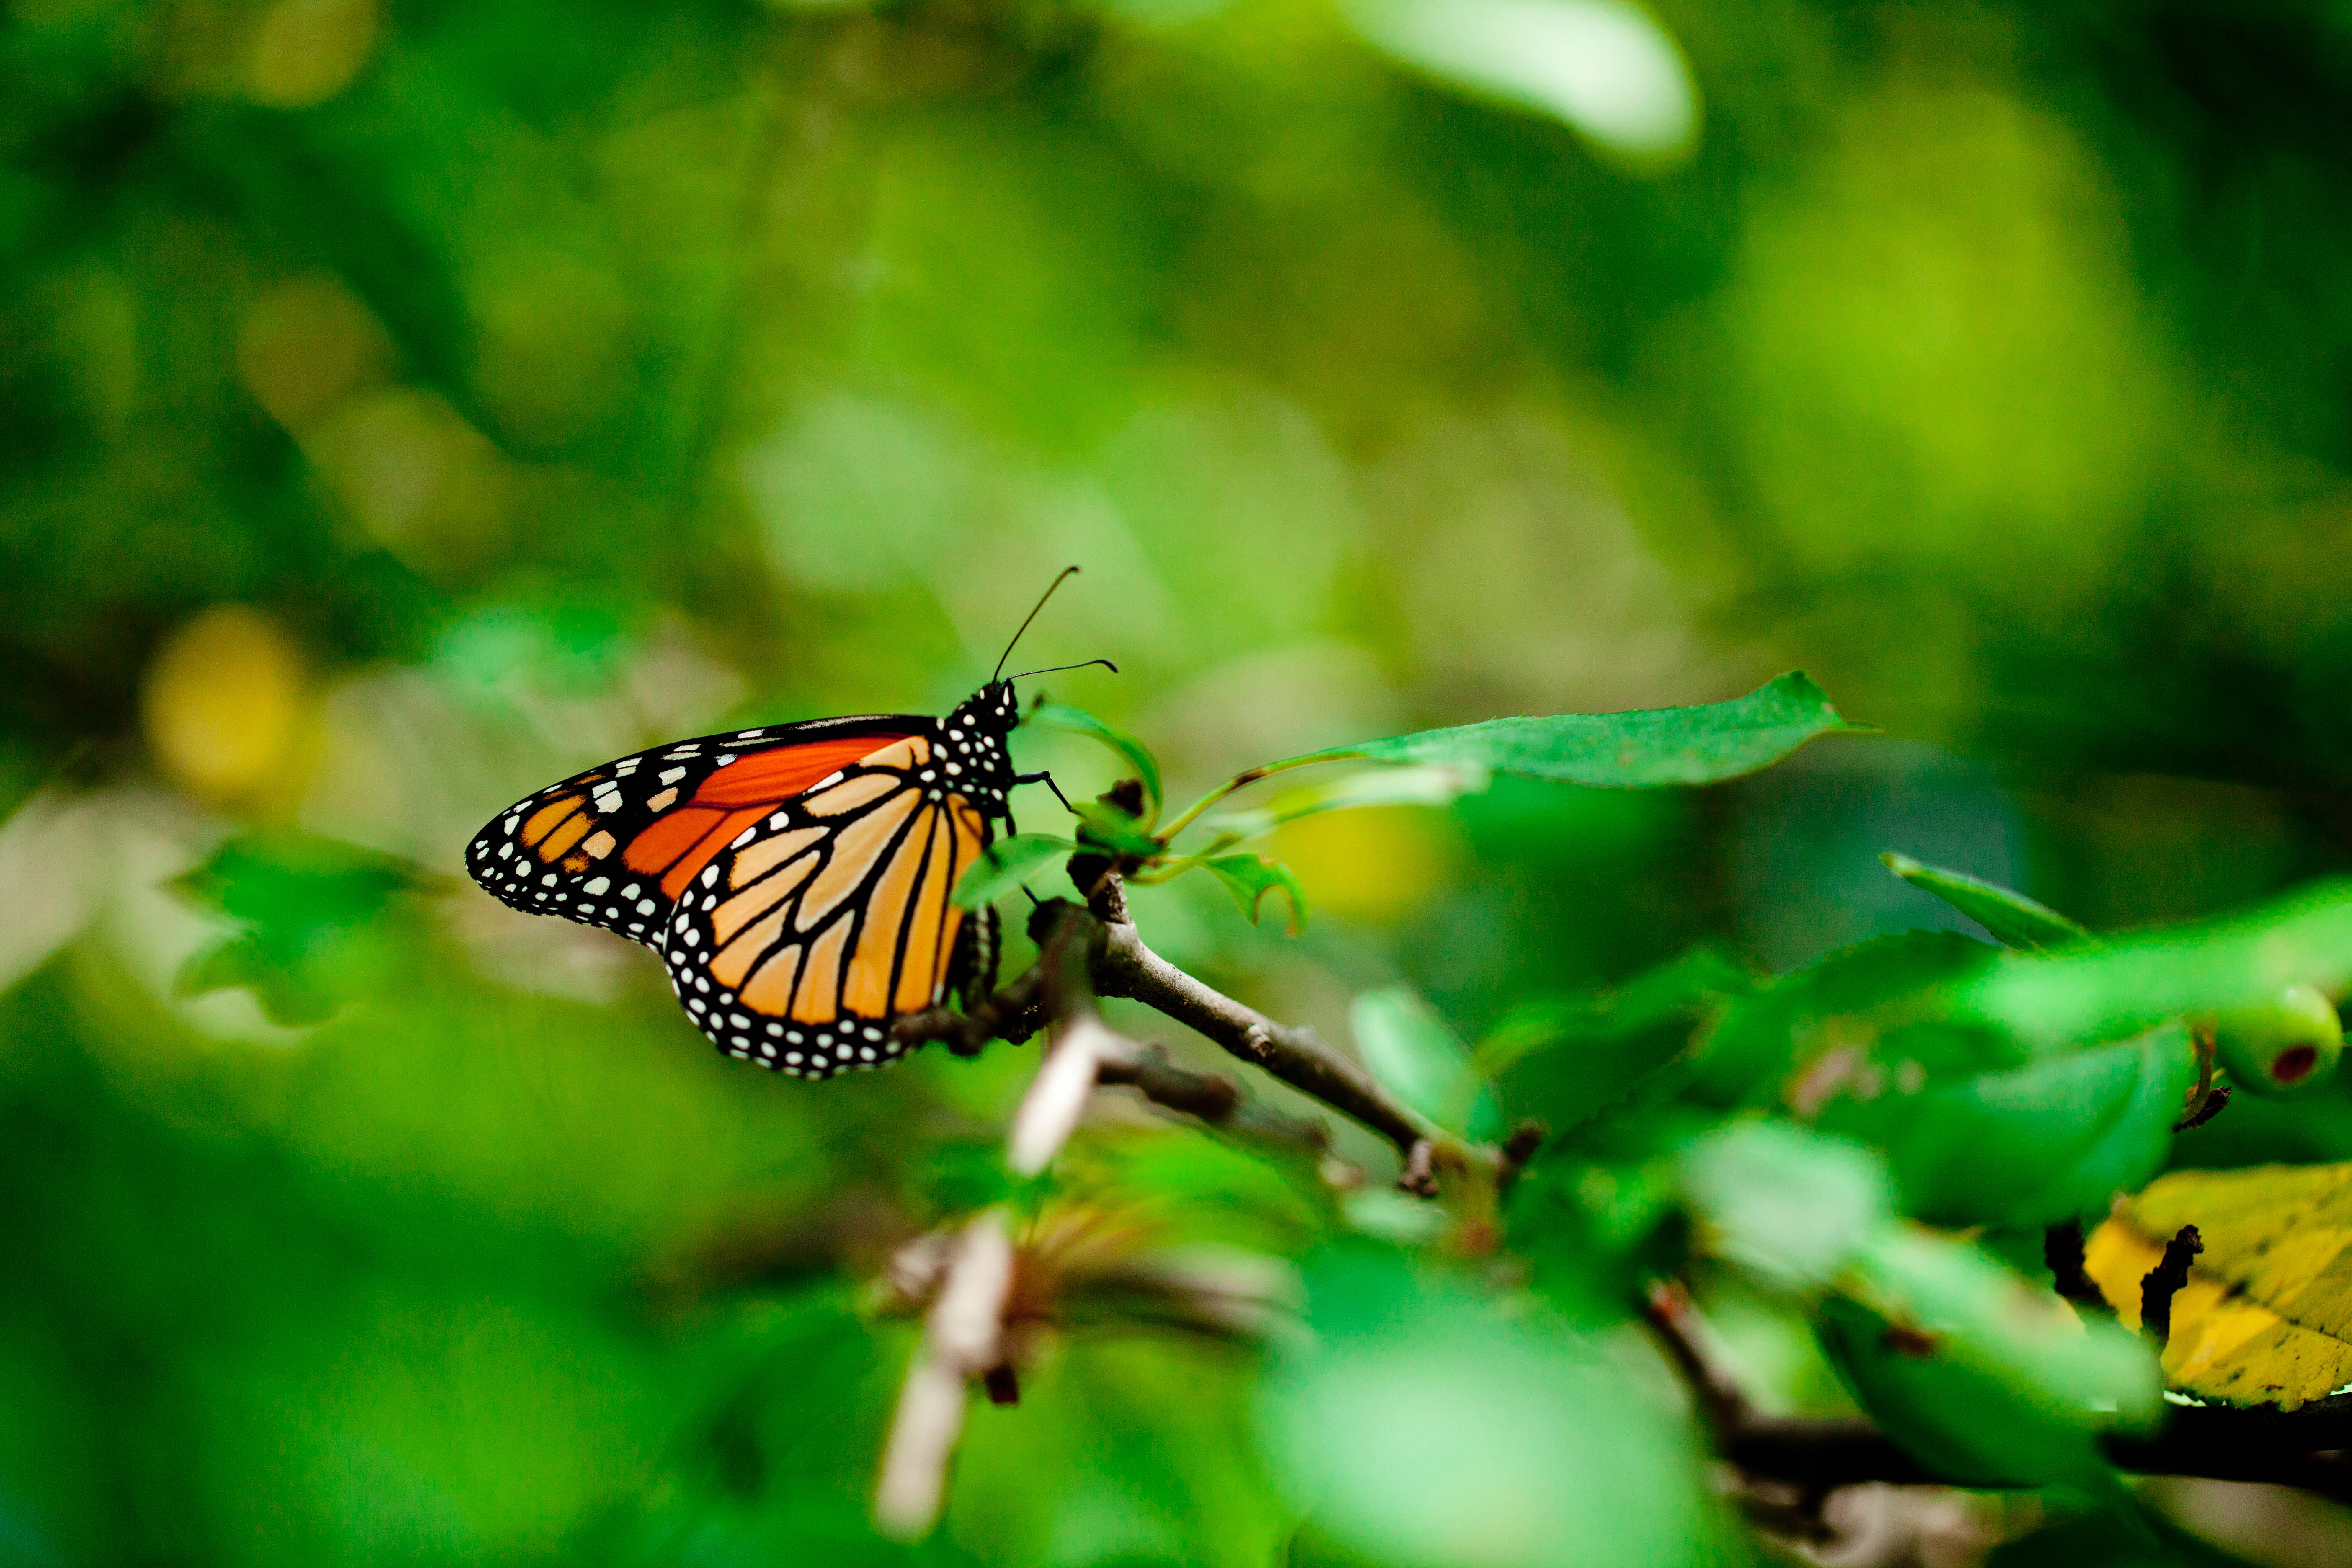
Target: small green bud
{"points": [[2283, 1048]]}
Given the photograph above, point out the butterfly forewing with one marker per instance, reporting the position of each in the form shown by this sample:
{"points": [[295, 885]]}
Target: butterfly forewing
{"points": [[615, 846], [830, 916]]}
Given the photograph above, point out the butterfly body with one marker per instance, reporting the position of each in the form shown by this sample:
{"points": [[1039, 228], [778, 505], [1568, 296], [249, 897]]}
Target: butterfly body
{"points": [[794, 878]]}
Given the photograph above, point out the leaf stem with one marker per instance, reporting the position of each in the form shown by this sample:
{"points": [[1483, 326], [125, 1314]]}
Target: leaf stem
{"points": [[1241, 780]]}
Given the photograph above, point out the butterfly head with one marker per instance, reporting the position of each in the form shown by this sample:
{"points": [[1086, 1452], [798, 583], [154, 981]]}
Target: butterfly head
{"points": [[974, 735]]}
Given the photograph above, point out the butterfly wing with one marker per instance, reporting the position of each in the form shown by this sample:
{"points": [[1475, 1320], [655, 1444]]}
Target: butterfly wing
{"points": [[797, 943], [614, 847]]}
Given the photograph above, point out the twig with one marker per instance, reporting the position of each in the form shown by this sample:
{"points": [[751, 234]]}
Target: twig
{"points": [[1122, 965], [1211, 1097], [2164, 1281], [2061, 1251], [1012, 1014], [1690, 1345], [2214, 1442], [2309, 1448], [1518, 1149], [963, 1339], [2205, 1102], [1086, 1052], [2215, 1103]]}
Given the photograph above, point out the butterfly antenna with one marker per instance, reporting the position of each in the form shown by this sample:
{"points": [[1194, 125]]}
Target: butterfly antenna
{"points": [[1057, 669], [1067, 572]]}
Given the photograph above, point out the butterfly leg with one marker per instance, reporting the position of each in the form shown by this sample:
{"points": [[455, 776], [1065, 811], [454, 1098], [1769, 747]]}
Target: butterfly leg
{"points": [[972, 967], [1048, 780]]}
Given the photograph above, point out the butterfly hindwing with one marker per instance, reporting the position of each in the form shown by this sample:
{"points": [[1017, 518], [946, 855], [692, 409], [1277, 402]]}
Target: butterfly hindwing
{"points": [[614, 845], [829, 915]]}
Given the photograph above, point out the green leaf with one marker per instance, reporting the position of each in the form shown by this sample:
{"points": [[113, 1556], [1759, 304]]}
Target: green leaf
{"points": [[2123, 984], [1104, 827], [1078, 722], [1644, 749], [1791, 1206], [2014, 920], [1250, 878], [1421, 1422], [288, 986], [1755, 1047], [1982, 1376], [1431, 785], [1420, 1058], [296, 881], [1005, 865], [1682, 989], [2034, 1145], [311, 913]]}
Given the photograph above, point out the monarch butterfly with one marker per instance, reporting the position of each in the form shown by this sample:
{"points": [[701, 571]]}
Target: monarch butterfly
{"points": [[794, 878]]}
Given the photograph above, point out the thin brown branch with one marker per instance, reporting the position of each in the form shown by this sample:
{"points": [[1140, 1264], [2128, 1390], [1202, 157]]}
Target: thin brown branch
{"points": [[2215, 1102], [1086, 1054], [1014, 1014], [2061, 1252], [1211, 1097], [1688, 1342], [2310, 1449], [2164, 1281], [1518, 1149], [970, 1278], [2213, 1443], [1123, 965]]}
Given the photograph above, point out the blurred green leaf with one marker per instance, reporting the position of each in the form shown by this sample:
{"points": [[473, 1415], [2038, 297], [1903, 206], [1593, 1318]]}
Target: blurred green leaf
{"points": [[1134, 753], [1424, 1425], [1417, 1055], [1792, 1207], [288, 983], [2014, 920], [2031, 1145], [1604, 66], [1706, 743], [308, 907], [1759, 1038], [1006, 864], [295, 879], [1250, 878], [1681, 990], [2126, 984], [1979, 1374]]}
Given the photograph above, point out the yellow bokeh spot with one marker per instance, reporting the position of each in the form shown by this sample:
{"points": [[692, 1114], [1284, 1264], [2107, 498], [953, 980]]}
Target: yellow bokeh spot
{"points": [[307, 346], [414, 476], [225, 707], [306, 51], [1375, 864]]}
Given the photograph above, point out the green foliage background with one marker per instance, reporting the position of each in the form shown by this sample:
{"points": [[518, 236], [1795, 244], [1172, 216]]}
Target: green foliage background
{"points": [[546, 380]]}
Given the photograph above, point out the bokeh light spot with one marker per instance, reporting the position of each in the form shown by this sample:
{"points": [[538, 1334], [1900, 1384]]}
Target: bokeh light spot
{"points": [[223, 705]]}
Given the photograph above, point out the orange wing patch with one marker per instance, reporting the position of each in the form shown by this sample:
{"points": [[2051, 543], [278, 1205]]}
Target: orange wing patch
{"points": [[799, 941], [730, 800]]}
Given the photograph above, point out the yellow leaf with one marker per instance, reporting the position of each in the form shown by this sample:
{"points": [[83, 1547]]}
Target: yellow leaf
{"points": [[2266, 1316]]}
